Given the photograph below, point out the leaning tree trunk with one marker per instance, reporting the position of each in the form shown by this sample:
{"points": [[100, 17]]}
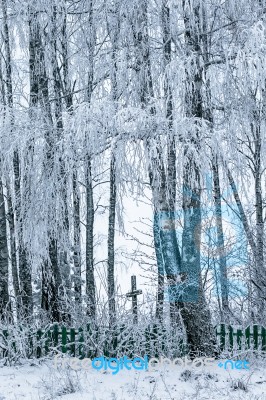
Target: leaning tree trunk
{"points": [[260, 275], [171, 141]]}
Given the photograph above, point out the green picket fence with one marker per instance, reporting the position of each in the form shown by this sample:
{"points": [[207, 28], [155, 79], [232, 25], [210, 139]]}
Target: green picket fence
{"points": [[92, 341], [234, 338], [153, 340]]}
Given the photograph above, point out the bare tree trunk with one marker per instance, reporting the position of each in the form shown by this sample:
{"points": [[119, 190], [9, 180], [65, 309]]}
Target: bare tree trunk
{"points": [[161, 271], [220, 240], [195, 313], [63, 239], [39, 93], [113, 26], [10, 210], [24, 267], [4, 277], [90, 281], [77, 245], [13, 251], [166, 246], [241, 211], [260, 275], [111, 239], [68, 96]]}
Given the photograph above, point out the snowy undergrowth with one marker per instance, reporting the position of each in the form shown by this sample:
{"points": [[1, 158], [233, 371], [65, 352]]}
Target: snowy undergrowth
{"points": [[41, 381]]}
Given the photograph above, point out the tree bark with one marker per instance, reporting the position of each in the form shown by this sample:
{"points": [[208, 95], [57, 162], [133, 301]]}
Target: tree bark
{"points": [[194, 310], [4, 273], [220, 240], [90, 281], [24, 267]]}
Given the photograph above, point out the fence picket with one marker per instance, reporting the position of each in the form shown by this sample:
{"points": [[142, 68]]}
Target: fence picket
{"points": [[263, 341], [239, 335], [64, 339], [247, 337], [255, 336], [39, 344], [72, 340]]}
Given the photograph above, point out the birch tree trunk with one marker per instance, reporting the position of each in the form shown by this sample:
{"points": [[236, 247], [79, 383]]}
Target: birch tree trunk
{"points": [[68, 97]]}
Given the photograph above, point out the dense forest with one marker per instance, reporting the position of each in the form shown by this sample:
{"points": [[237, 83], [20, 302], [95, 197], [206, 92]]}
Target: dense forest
{"points": [[162, 100]]}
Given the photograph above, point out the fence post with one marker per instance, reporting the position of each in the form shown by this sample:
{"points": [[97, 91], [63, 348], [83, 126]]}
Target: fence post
{"points": [[89, 352], [155, 340], [39, 344], [263, 342], [48, 340], [231, 337], [73, 342], [239, 335], [64, 339], [247, 337], [256, 336], [222, 336], [81, 343], [55, 336]]}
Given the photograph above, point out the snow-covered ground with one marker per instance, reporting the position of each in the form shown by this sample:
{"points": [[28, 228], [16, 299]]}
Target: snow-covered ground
{"points": [[41, 381]]}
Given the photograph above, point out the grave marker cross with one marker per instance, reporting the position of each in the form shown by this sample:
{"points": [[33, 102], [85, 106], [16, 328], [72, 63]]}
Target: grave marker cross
{"points": [[134, 293]]}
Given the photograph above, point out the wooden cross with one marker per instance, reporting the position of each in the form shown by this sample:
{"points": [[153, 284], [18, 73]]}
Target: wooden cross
{"points": [[134, 293]]}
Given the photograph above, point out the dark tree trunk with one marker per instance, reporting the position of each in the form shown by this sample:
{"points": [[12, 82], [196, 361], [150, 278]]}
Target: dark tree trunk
{"points": [[4, 274], [52, 289], [113, 26], [260, 274], [166, 249], [111, 239], [77, 245], [11, 223], [194, 310], [90, 281], [63, 242], [24, 268], [220, 240]]}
